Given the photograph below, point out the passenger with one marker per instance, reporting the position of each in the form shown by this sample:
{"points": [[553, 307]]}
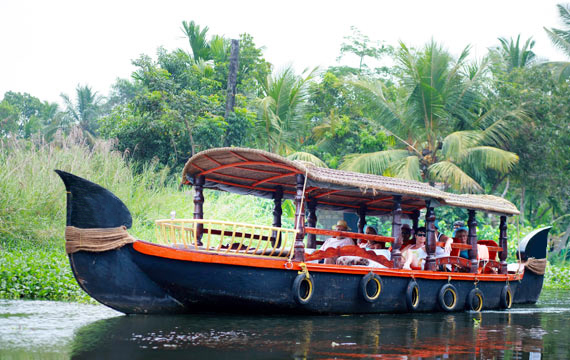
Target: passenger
{"points": [[461, 238], [407, 238], [439, 237], [456, 225], [414, 255], [335, 242], [378, 247], [367, 230], [373, 244]]}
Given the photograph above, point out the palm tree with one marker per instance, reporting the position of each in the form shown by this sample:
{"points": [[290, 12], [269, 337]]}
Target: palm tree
{"points": [[561, 39], [85, 111], [513, 55], [197, 40], [281, 126], [437, 96], [280, 110]]}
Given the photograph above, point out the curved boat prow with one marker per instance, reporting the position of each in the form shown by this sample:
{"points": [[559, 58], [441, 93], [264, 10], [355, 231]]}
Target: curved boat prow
{"points": [[92, 206], [109, 275], [532, 249]]}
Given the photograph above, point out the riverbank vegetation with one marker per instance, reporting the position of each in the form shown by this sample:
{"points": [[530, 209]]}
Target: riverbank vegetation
{"points": [[33, 263], [495, 125]]}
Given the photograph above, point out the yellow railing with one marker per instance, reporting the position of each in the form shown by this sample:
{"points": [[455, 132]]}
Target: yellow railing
{"points": [[225, 237]]}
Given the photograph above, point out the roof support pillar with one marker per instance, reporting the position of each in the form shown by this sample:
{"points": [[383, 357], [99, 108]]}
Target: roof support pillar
{"points": [[199, 182], [396, 232], [361, 218], [299, 247], [312, 222], [503, 243], [430, 237], [277, 212], [472, 239]]}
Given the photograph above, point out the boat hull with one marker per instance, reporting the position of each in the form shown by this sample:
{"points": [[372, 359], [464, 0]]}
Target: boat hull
{"points": [[135, 282]]}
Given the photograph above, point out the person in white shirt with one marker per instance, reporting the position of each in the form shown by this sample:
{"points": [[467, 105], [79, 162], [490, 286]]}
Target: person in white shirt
{"points": [[337, 241], [414, 255]]}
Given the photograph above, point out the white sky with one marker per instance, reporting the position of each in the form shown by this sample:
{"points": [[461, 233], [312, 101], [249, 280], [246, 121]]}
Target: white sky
{"points": [[48, 47]]}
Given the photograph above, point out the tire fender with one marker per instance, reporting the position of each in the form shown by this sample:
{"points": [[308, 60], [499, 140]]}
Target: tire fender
{"points": [[506, 299], [445, 291], [413, 295], [303, 289], [475, 300], [363, 287]]}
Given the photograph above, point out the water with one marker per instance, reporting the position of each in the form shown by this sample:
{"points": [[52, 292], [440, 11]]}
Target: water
{"points": [[54, 330]]}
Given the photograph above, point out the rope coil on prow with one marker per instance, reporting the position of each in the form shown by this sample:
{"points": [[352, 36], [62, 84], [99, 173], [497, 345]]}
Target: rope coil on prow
{"points": [[96, 240]]}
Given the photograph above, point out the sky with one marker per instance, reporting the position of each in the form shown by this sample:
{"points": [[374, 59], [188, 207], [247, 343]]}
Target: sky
{"points": [[49, 47]]}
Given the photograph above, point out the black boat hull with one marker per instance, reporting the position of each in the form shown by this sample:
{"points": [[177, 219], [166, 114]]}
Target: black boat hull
{"points": [[134, 283]]}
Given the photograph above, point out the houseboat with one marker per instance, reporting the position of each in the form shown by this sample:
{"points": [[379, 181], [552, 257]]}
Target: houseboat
{"points": [[208, 265]]}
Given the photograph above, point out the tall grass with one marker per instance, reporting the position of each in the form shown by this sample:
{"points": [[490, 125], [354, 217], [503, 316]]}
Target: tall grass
{"points": [[32, 197]]}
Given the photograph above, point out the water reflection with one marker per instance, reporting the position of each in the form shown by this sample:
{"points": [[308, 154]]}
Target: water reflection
{"points": [[522, 333], [59, 330]]}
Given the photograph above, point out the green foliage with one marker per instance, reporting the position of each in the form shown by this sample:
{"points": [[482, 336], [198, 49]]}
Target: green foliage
{"points": [[176, 104], [435, 97], [85, 110], [38, 274], [511, 54], [338, 126], [22, 115], [538, 184], [561, 39], [281, 125], [360, 46], [557, 277]]}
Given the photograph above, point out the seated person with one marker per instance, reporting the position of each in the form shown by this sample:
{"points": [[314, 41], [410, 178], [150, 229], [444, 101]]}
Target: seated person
{"points": [[368, 244], [335, 242], [407, 238], [461, 238], [379, 247], [376, 247], [456, 225], [414, 255], [440, 237]]}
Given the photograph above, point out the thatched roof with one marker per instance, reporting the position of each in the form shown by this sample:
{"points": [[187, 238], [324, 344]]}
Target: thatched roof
{"points": [[260, 173]]}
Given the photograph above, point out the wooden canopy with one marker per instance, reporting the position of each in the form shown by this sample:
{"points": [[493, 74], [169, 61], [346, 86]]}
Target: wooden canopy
{"points": [[260, 173]]}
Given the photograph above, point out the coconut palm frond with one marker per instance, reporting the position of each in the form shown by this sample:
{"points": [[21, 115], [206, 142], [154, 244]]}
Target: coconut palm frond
{"points": [[492, 158], [372, 163], [219, 48], [456, 143], [502, 130], [305, 156], [558, 40], [197, 39], [561, 37], [407, 168], [451, 174]]}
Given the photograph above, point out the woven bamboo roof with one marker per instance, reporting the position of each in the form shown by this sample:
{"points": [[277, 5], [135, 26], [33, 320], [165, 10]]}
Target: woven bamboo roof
{"points": [[260, 173]]}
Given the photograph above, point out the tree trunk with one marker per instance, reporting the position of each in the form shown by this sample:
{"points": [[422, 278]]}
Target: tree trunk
{"points": [[506, 188], [232, 78], [497, 183], [189, 129], [521, 216]]}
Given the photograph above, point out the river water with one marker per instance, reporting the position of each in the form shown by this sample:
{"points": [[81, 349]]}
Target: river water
{"points": [[56, 330]]}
